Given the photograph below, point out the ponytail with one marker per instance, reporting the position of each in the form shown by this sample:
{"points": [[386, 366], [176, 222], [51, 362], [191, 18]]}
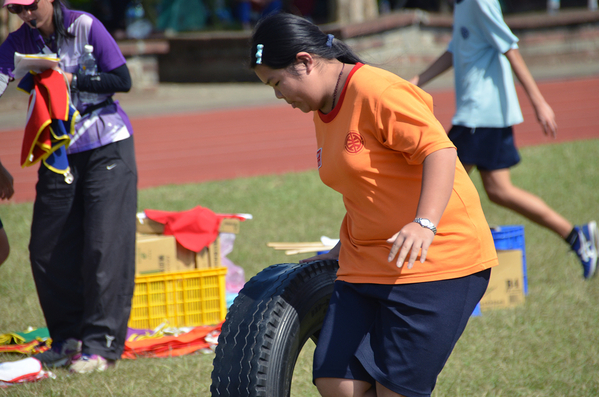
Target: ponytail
{"points": [[58, 18], [278, 38]]}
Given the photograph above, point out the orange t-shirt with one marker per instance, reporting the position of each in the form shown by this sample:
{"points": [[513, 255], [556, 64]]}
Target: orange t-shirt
{"points": [[370, 149]]}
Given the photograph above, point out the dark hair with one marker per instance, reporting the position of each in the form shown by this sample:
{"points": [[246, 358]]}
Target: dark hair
{"points": [[59, 30], [284, 35]]}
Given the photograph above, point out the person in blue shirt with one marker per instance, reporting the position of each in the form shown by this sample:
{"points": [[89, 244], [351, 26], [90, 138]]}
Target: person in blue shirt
{"points": [[483, 52]]}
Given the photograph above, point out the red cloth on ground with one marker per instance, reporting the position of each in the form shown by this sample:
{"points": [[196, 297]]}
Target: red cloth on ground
{"points": [[171, 346], [33, 347], [194, 229]]}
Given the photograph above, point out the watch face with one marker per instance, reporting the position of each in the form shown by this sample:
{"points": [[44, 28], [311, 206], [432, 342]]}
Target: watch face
{"points": [[426, 223]]}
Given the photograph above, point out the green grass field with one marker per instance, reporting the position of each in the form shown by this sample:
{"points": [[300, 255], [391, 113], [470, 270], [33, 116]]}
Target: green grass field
{"points": [[547, 347]]}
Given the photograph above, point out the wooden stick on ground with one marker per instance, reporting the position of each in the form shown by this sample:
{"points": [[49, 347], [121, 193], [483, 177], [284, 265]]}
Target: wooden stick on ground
{"points": [[285, 245]]}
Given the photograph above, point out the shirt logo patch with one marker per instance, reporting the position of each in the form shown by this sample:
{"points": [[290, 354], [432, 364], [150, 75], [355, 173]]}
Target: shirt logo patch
{"points": [[319, 157], [465, 32], [354, 142]]}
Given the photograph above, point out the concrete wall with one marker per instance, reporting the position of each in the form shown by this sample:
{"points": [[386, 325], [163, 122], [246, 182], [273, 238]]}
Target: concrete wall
{"points": [[206, 58]]}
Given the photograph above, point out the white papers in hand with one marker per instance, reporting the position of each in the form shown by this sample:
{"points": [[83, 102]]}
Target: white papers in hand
{"points": [[36, 62]]}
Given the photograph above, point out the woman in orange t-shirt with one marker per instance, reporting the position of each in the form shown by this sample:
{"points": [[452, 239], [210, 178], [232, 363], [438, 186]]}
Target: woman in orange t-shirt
{"points": [[415, 250]]}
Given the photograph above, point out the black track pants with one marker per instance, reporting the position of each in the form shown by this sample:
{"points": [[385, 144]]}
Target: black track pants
{"points": [[82, 247]]}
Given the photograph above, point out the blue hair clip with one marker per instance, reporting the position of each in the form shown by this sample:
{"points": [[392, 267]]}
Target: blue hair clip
{"points": [[259, 49], [330, 38]]}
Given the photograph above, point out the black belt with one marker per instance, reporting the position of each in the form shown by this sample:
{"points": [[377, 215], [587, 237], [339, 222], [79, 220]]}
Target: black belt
{"points": [[91, 108]]}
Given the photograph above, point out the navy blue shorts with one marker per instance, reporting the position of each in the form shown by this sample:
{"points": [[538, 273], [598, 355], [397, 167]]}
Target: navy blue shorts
{"points": [[397, 335], [488, 149]]}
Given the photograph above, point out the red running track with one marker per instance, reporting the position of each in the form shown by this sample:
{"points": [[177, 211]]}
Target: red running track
{"points": [[233, 143]]}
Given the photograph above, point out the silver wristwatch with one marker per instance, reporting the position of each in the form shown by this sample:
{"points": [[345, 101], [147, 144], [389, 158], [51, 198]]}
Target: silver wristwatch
{"points": [[427, 224]]}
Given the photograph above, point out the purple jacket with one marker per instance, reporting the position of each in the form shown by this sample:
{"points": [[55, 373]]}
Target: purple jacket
{"points": [[102, 126]]}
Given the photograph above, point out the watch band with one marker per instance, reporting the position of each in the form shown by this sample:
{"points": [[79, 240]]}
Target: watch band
{"points": [[426, 223], [74, 82]]}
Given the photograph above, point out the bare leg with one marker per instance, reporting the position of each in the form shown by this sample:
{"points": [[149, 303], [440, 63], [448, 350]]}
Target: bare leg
{"points": [[382, 391], [336, 387], [500, 190]]}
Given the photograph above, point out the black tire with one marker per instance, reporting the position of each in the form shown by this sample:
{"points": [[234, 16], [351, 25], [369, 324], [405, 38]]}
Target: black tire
{"points": [[266, 327]]}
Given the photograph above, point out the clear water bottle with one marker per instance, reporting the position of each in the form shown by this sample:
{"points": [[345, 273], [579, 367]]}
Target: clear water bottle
{"points": [[88, 67]]}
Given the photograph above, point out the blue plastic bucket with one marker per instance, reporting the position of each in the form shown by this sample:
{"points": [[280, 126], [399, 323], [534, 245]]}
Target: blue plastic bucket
{"points": [[511, 237], [477, 311]]}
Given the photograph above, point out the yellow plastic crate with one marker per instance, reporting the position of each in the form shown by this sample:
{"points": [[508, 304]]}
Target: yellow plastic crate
{"points": [[184, 299]]}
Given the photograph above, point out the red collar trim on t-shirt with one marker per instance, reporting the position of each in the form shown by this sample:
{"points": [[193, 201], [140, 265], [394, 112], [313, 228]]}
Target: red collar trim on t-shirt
{"points": [[328, 117]]}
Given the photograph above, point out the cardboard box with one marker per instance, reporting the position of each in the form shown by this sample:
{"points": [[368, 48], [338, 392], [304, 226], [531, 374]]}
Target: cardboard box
{"points": [[185, 261], [214, 251], [209, 257], [506, 285], [229, 225], [147, 226], [154, 253]]}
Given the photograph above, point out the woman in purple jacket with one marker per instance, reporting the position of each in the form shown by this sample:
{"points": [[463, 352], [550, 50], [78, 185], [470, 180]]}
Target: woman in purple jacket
{"points": [[82, 246]]}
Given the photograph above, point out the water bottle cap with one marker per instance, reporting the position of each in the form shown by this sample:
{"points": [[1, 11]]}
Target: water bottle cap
{"points": [[88, 48]]}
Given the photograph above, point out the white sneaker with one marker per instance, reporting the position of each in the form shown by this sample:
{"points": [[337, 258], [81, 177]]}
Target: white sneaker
{"points": [[86, 363]]}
